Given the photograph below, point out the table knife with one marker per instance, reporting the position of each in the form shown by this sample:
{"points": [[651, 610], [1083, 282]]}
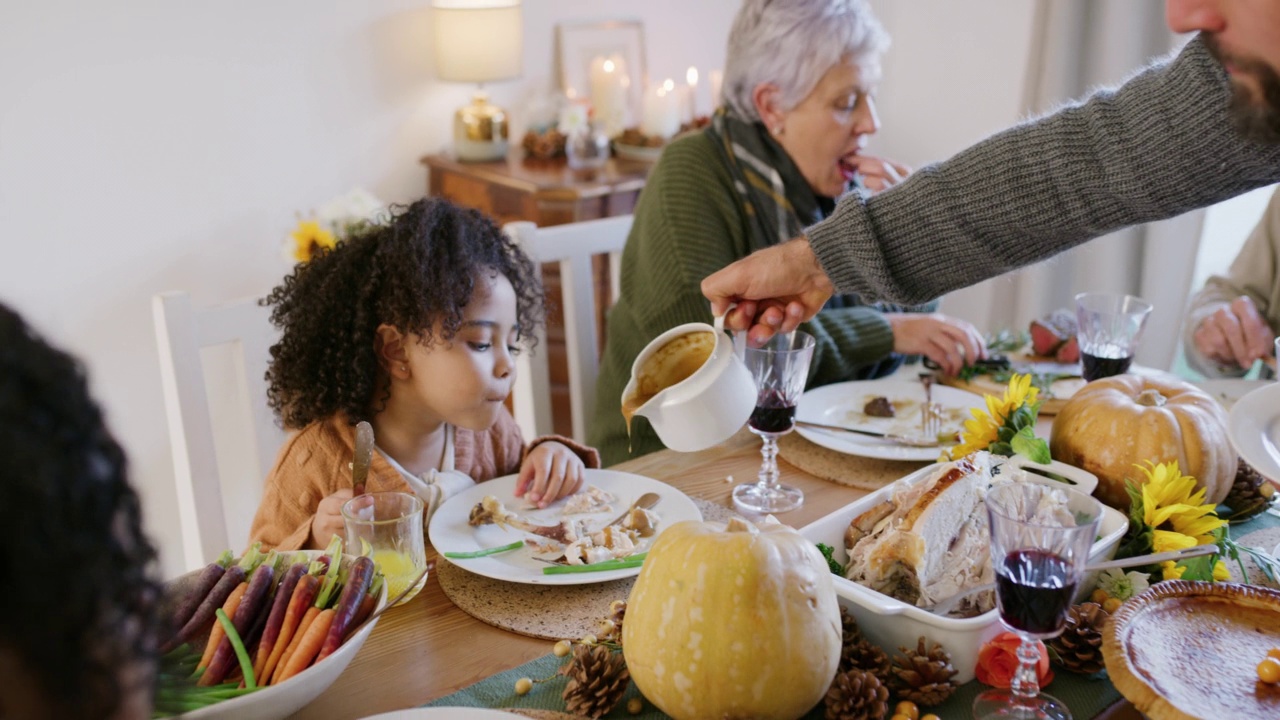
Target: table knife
{"points": [[364, 455]]}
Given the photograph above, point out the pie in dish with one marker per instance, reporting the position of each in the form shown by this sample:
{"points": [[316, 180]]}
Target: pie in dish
{"points": [[1190, 650]]}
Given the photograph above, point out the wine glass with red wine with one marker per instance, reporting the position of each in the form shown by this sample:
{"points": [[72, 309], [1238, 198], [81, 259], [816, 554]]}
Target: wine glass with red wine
{"points": [[1110, 327], [780, 368], [1041, 534]]}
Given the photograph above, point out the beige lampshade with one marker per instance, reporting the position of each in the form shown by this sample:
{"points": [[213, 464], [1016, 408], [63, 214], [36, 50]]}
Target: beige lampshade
{"points": [[478, 40]]}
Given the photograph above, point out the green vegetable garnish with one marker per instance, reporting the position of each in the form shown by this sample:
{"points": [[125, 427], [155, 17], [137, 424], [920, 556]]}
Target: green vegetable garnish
{"points": [[828, 552], [619, 564], [483, 553]]}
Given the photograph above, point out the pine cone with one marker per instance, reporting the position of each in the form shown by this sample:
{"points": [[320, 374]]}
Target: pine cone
{"points": [[611, 626], [856, 695], [849, 632], [923, 675], [863, 655], [1079, 647], [597, 679], [1250, 494]]}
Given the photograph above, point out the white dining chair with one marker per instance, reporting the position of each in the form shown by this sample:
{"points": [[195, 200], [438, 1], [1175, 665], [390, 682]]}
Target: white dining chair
{"points": [[572, 246], [213, 363]]}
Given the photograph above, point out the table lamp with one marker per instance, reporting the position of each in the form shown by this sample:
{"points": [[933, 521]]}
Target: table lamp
{"points": [[478, 41]]}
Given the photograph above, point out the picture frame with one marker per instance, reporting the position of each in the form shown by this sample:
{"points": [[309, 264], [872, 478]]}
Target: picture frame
{"points": [[581, 44]]}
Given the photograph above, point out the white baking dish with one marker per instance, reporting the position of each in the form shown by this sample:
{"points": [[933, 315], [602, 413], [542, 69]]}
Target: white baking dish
{"points": [[892, 624]]}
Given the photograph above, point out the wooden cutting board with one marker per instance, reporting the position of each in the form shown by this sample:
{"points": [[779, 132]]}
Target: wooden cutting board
{"points": [[1059, 391]]}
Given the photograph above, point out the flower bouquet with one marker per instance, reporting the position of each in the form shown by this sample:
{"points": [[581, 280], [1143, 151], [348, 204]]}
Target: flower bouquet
{"points": [[335, 220]]}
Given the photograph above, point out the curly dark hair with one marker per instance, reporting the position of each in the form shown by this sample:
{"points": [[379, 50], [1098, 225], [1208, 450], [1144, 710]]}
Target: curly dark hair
{"points": [[415, 270], [80, 599]]}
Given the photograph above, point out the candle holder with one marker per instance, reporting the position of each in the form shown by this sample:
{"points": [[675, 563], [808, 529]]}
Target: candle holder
{"points": [[587, 148]]}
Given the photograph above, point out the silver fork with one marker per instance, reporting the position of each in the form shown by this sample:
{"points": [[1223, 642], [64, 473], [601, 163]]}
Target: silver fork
{"points": [[931, 420]]}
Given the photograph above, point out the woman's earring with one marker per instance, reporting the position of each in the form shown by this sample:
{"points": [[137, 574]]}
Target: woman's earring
{"points": [[404, 368], [777, 130]]}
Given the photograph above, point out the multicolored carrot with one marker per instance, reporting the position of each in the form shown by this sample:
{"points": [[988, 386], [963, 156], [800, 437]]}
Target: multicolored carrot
{"points": [[199, 591], [367, 605], [303, 626], [203, 616], [247, 611], [304, 593], [309, 647], [359, 577], [275, 620], [216, 635]]}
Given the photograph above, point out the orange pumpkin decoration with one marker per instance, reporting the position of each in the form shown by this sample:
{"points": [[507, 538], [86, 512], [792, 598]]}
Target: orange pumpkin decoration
{"points": [[1112, 424]]}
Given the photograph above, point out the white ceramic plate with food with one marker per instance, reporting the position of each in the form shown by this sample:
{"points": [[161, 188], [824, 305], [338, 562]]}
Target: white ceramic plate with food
{"points": [[1228, 391], [450, 531], [444, 713], [843, 404], [1254, 428]]}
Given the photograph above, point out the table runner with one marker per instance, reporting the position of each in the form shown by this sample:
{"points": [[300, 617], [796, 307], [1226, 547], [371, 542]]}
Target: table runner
{"points": [[1085, 696]]}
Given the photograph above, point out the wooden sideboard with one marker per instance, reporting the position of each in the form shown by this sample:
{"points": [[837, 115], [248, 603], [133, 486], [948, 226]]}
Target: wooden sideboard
{"points": [[545, 192]]}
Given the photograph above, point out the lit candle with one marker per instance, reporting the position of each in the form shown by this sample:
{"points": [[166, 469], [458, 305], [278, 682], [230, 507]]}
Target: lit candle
{"points": [[691, 93], [661, 111], [609, 82], [717, 77]]}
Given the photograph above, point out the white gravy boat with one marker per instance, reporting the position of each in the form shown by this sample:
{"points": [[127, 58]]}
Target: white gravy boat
{"points": [[705, 408]]}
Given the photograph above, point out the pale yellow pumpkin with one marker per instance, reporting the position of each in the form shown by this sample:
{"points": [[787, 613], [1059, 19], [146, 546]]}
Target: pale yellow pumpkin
{"points": [[1113, 423], [733, 621]]}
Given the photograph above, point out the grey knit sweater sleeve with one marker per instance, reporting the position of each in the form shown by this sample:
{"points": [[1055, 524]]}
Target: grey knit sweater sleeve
{"points": [[1159, 145]]}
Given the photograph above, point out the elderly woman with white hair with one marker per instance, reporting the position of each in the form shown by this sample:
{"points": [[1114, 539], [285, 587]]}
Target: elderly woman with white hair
{"points": [[788, 140]]}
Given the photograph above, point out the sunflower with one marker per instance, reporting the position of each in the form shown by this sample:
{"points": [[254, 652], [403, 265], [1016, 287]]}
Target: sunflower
{"points": [[308, 238], [1170, 501], [1176, 513], [983, 430], [1019, 392]]}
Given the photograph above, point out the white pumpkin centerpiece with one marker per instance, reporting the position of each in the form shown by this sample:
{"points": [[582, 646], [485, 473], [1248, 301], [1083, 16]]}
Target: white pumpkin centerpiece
{"points": [[733, 621]]}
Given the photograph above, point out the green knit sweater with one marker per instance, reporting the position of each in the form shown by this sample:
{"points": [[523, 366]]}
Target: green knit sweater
{"points": [[689, 222]]}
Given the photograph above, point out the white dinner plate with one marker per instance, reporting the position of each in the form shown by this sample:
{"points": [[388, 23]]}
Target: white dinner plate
{"points": [[444, 713], [1228, 391], [450, 532], [1254, 428], [842, 404]]}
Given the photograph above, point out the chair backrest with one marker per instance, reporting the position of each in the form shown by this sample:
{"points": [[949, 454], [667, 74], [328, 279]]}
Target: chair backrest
{"points": [[572, 246], [213, 363]]}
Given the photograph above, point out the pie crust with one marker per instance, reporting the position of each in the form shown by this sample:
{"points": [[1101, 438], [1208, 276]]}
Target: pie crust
{"points": [[1185, 650]]}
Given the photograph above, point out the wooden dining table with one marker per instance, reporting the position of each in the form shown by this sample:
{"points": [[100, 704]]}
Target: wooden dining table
{"points": [[428, 648]]}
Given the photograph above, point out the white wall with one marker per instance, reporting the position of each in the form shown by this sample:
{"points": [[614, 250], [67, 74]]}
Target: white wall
{"points": [[148, 145]]}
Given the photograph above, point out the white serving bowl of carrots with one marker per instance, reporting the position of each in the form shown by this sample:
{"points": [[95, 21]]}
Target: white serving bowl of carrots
{"points": [[287, 695]]}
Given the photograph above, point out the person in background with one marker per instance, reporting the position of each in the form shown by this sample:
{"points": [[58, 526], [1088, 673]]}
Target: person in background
{"points": [[77, 616], [412, 325], [800, 80], [1186, 132], [1232, 321]]}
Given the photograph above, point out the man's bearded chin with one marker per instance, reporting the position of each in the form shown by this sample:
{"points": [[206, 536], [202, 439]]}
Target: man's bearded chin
{"points": [[1257, 118]]}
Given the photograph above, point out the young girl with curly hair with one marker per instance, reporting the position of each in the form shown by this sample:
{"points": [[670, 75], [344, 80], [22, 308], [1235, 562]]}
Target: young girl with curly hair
{"points": [[412, 325]]}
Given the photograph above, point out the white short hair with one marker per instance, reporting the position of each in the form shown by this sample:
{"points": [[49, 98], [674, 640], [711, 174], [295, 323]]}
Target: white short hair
{"points": [[792, 44]]}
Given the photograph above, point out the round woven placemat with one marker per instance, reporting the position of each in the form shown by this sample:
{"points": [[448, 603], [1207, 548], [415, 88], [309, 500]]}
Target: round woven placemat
{"points": [[562, 611], [852, 470]]}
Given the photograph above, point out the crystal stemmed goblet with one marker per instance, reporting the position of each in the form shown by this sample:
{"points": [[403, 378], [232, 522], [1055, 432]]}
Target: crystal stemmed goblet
{"points": [[780, 368], [1039, 548]]}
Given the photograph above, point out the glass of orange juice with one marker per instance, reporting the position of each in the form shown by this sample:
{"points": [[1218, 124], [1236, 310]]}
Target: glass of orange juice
{"points": [[390, 525]]}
